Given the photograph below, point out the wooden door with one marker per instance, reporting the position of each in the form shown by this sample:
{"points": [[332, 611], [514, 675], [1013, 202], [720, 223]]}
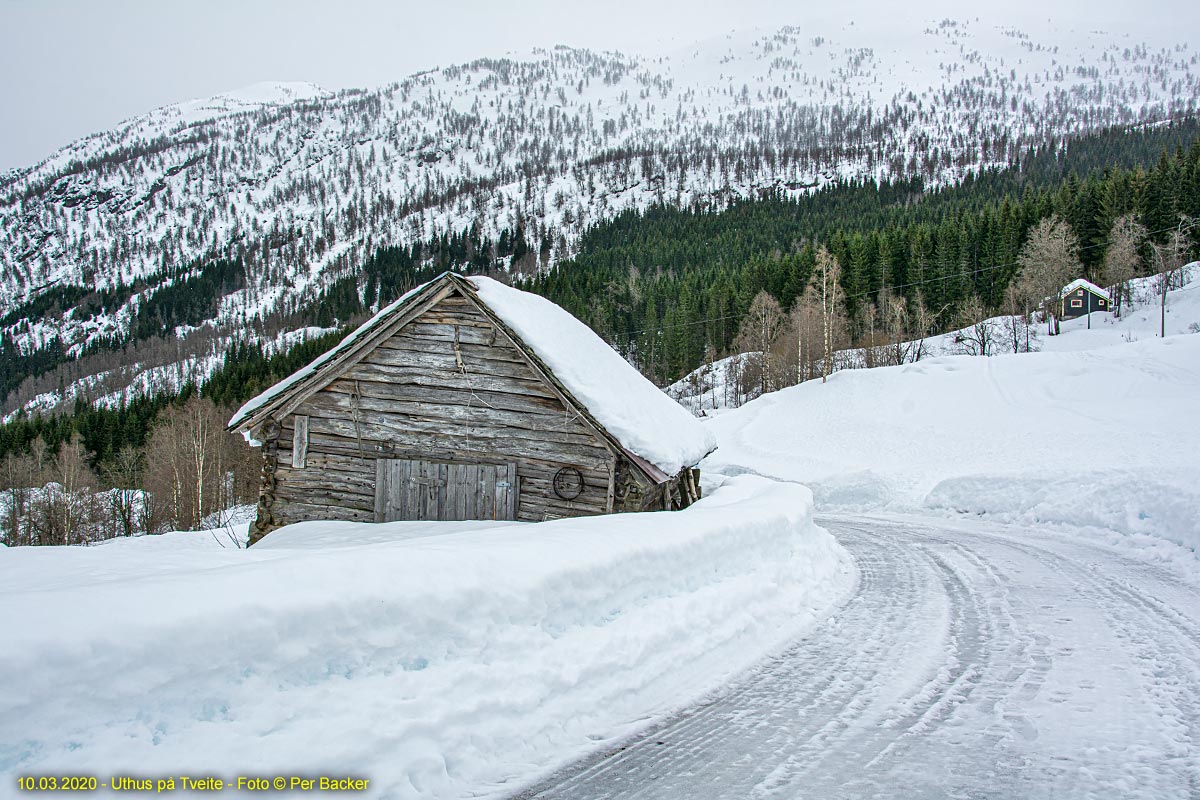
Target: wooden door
{"points": [[415, 489]]}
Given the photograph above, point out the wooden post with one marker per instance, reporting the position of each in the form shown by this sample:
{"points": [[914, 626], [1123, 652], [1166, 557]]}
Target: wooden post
{"points": [[300, 442]]}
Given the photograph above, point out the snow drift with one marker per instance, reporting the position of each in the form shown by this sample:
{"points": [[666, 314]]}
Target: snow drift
{"points": [[436, 666], [1102, 439]]}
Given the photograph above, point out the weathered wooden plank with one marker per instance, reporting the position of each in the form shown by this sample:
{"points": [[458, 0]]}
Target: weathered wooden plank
{"points": [[336, 473], [541, 480], [466, 485], [471, 488], [534, 465], [381, 490], [297, 511], [504, 401], [534, 513], [429, 482], [326, 480], [592, 497], [299, 440], [441, 416], [444, 359], [404, 345], [449, 317], [421, 486], [501, 496], [451, 379], [479, 450], [526, 510], [327, 498], [444, 332], [611, 489], [513, 485], [342, 464], [455, 304], [375, 426], [454, 507], [443, 490], [457, 300], [561, 507], [487, 493], [405, 486]]}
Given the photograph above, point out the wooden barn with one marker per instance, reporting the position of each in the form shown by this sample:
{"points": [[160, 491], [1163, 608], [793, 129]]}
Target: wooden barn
{"points": [[1082, 297], [468, 399]]}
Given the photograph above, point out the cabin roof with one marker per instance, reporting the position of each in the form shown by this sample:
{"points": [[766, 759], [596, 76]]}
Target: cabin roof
{"points": [[1081, 283], [641, 419]]}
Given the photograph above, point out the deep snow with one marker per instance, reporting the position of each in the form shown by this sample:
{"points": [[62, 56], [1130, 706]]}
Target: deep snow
{"points": [[1099, 438], [439, 666]]}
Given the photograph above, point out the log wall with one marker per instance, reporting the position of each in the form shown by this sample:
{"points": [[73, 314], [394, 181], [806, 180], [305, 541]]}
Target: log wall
{"points": [[448, 386]]}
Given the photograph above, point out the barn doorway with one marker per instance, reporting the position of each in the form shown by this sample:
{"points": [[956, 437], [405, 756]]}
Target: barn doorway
{"points": [[436, 490]]}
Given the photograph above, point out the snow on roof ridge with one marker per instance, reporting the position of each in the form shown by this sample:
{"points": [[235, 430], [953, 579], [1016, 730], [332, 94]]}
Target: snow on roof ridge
{"points": [[1086, 284]]}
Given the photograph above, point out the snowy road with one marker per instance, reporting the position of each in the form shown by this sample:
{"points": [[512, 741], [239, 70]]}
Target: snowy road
{"points": [[974, 660]]}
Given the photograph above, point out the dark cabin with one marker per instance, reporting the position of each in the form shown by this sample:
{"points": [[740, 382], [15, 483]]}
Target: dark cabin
{"points": [[467, 399], [1082, 297]]}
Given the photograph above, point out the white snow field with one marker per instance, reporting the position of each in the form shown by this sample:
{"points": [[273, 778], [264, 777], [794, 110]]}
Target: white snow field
{"points": [[1101, 438], [1095, 432], [450, 665]]}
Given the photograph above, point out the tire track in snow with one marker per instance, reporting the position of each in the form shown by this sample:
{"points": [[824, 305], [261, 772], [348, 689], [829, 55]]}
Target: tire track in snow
{"points": [[943, 675], [1157, 635], [911, 607]]}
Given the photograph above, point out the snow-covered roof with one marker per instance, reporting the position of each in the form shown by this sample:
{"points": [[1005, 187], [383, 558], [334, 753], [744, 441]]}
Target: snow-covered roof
{"points": [[641, 417], [631, 408], [1082, 283]]}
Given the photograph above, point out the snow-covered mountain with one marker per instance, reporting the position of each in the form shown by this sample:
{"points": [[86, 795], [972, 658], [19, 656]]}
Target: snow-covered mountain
{"points": [[304, 183]]}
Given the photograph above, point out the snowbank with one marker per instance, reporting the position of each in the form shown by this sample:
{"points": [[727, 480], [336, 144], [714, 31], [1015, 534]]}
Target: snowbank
{"points": [[436, 666], [1103, 438]]}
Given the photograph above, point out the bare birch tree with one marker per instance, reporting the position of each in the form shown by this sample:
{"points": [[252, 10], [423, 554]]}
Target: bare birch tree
{"points": [[976, 337], [921, 320], [1049, 260], [1123, 260], [125, 500], [1171, 257], [62, 508], [1018, 332], [758, 332], [194, 467], [827, 279]]}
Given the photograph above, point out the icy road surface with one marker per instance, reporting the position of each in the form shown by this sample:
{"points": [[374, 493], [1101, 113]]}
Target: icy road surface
{"points": [[974, 660]]}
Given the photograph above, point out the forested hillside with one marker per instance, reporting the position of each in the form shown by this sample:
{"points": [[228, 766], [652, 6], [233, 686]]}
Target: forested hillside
{"points": [[666, 284], [132, 259], [668, 287]]}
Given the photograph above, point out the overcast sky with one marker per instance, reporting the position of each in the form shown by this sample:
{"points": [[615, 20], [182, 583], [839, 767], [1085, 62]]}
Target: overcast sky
{"points": [[71, 67]]}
